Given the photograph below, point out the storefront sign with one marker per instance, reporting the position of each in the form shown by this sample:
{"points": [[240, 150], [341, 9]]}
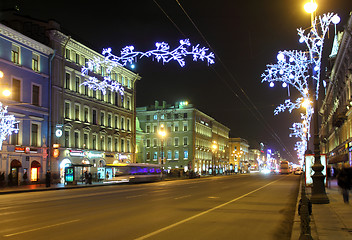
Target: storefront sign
{"points": [[76, 153], [94, 155], [19, 149], [69, 174]]}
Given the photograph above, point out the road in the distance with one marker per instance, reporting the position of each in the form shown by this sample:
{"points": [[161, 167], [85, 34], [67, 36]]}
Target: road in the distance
{"points": [[251, 206]]}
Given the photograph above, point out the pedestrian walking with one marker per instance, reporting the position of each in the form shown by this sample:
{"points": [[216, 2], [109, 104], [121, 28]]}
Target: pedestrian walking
{"points": [[344, 182], [90, 178]]}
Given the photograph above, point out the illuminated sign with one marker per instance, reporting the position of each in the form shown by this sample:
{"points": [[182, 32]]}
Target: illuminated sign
{"points": [[58, 131], [19, 149], [94, 155], [76, 153], [69, 174]]}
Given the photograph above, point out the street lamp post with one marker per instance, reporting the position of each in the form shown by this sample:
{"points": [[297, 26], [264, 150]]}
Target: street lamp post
{"points": [[162, 134], [318, 188], [214, 147]]}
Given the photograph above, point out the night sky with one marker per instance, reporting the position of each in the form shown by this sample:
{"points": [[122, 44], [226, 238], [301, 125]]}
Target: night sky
{"points": [[245, 36]]}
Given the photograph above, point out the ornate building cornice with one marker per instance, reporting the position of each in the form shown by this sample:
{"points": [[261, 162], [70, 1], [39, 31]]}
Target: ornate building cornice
{"points": [[15, 36]]}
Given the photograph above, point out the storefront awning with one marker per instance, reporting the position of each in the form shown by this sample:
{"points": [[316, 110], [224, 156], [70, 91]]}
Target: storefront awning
{"points": [[338, 158], [35, 164]]}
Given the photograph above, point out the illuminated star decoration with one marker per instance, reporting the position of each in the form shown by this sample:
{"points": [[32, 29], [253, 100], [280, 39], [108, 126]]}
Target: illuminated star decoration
{"points": [[162, 53], [292, 69], [7, 124]]}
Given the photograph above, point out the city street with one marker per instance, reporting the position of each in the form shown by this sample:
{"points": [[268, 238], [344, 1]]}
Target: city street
{"points": [[250, 206]]}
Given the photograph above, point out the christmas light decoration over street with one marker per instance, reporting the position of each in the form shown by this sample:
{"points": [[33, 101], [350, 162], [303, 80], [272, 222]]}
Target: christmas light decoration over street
{"points": [[293, 68], [162, 53]]}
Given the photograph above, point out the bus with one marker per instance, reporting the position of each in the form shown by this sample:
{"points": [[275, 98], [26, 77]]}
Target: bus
{"points": [[284, 169], [133, 172]]}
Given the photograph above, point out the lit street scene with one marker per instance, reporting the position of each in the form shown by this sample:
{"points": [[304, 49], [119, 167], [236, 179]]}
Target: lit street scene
{"points": [[176, 119], [222, 207]]}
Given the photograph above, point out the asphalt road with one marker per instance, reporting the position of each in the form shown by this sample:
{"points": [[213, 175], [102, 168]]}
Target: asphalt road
{"points": [[251, 206]]}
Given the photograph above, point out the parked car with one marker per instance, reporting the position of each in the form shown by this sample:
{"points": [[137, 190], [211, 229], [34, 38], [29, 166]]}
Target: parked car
{"points": [[298, 172]]}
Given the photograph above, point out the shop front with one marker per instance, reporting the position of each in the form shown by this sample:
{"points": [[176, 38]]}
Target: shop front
{"points": [[14, 172]]}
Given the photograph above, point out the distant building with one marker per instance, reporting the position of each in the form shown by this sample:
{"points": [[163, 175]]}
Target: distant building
{"points": [[239, 154], [25, 64], [190, 135]]}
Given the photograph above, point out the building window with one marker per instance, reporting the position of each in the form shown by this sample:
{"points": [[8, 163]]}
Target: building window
{"points": [[14, 136], [102, 118], [176, 116], [155, 142], [67, 54], [169, 141], [77, 83], [86, 114], [128, 146], [116, 122], [185, 115], [77, 58], [102, 143], [148, 156], [85, 140], [155, 156], [94, 116], [176, 141], [67, 80], [169, 155], [122, 125], [35, 95], [128, 124], [77, 107], [148, 142], [94, 141], [122, 145], [155, 129], [109, 144], [185, 127], [128, 103], [16, 90], [35, 62], [176, 154], [86, 90], [155, 117], [185, 141], [185, 154], [67, 138], [15, 54], [148, 129], [116, 144], [76, 139], [109, 120], [109, 96], [67, 110], [176, 127], [148, 117]]}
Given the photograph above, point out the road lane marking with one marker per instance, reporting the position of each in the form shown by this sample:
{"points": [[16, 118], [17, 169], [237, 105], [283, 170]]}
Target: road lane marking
{"points": [[36, 229], [182, 197], [202, 213], [135, 196]]}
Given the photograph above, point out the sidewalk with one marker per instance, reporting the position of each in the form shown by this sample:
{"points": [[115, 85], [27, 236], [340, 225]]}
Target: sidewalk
{"points": [[328, 221]]}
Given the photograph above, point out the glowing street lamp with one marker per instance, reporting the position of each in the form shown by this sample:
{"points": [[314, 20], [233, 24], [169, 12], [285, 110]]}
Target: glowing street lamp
{"points": [[214, 148], [162, 134]]}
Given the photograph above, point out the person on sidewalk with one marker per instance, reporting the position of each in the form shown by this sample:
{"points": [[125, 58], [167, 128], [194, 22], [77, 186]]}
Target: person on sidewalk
{"points": [[344, 182]]}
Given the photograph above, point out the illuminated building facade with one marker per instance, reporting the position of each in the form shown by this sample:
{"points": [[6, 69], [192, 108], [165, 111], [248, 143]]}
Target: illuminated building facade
{"points": [[24, 63], [336, 125], [94, 128], [189, 137], [239, 154]]}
